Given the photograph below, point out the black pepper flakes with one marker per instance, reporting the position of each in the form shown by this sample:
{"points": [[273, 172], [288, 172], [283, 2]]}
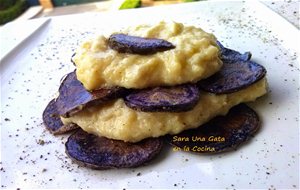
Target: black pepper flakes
{"points": [[2, 169], [41, 142]]}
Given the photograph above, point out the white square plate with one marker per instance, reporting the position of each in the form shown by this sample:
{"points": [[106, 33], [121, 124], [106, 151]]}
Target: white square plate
{"points": [[30, 75]]}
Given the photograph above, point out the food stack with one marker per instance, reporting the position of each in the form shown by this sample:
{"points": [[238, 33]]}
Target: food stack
{"points": [[144, 86]]}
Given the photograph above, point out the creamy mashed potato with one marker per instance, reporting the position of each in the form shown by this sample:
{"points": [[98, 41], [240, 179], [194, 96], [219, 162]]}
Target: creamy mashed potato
{"points": [[117, 121], [195, 57]]}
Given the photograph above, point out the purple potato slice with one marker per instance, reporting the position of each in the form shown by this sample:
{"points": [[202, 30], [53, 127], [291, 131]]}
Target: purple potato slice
{"points": [[238, 72], [137, 45], [234, 76], [73, 97], [102, 153], [229, 54], [161, 99], [223, 133], [53, 122]]}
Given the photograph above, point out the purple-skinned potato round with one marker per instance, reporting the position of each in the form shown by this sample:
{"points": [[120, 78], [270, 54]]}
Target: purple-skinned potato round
{"points": [[137, 45], [164, 99], [52, 121], [221, 134], [102, 153], [233, 76], [73, 97]]}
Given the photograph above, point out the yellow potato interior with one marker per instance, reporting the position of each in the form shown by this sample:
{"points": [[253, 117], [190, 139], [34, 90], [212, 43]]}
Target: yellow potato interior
{"points": [[195, 57], [117, 121]]}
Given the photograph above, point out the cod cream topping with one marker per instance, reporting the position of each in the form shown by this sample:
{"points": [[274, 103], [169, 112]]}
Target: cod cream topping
{"points": [[195, 57], [117, 121]]}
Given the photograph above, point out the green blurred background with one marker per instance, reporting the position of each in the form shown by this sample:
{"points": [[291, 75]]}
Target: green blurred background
{"points": [[11, 9]]}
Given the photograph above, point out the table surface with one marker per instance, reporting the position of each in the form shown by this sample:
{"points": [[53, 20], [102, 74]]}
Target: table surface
{"points": [[264, 163]]}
